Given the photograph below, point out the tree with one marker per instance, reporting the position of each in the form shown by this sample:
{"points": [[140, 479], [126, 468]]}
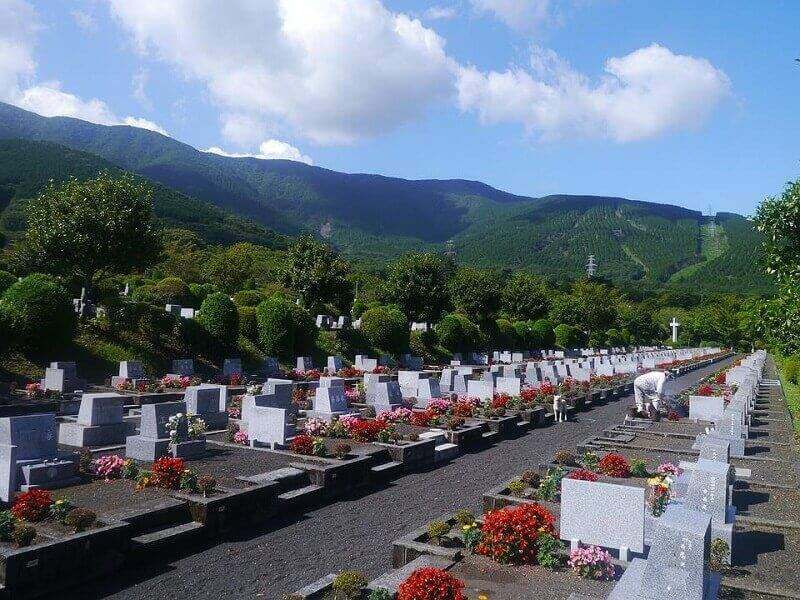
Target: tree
{"points": [[285, 329], [778, 219], [568, 336], [476, 293], [542, 334], [457, 333], [317, 274], [37, 311], [525, 297], [243, 266], [418, 283], [386, 328], [80, 228], [219, 317]]}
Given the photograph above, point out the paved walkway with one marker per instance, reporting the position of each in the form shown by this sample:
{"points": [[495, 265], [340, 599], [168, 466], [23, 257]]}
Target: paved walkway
{"points": [[281, 556]]}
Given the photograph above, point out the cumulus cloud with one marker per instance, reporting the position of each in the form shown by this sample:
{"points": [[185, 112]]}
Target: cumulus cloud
{"points": [[268, 150], [19, 25], [518, 14], [334, 71], [144, 124], [84, 20], [440, 13], [648, 92]]}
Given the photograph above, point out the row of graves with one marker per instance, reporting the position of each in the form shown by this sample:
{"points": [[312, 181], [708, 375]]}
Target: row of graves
{"points": [[119, 480], [673, 510]]}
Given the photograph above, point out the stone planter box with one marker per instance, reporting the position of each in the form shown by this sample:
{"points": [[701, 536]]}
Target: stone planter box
{"points": [[415, 544], [503, 426], [469, 435], [340, 477], [498, 497], [413, 455], [534, 416], [230, 507], [50, 566]]}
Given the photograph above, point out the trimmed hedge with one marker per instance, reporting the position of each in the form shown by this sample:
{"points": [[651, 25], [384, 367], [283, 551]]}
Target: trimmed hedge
{"points": [[38, 312], [285, 329], [386, 328], [219, 317], [457, 333], [6, 281]]}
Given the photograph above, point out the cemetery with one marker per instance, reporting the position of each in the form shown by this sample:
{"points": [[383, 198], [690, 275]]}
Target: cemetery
{"points": [[154, 470]]}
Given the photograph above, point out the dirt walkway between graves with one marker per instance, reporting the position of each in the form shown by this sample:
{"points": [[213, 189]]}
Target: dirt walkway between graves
{"points": [[356, 533]]}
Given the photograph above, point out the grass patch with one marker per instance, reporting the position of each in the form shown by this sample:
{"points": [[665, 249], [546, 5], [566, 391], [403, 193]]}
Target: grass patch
{"points": [[791, 392]]}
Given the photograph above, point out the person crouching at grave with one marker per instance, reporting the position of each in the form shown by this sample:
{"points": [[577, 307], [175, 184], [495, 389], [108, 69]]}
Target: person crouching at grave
{"points": [[559, 409], [648, 390]]}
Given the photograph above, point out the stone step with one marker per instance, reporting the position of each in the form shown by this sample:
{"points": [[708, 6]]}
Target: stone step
{"points": [[388, 469], [437, 435], [489, 436], [391, 581], [445, 451], [156, 540], [302, 497], [286, 478]]}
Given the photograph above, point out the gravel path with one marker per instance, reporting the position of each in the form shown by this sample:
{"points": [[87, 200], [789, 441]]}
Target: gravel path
{"points": [[282, 556]]}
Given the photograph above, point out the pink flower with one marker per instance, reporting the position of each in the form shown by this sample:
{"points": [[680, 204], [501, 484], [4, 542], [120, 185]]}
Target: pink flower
{"points": [[669, 468], [240, 437]]}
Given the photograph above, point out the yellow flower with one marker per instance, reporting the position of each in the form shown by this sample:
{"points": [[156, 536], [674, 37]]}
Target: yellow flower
{"points": [[483, 597], [654, 481]]}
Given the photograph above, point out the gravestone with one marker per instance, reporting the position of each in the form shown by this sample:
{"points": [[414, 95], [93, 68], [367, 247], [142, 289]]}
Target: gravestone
{"points": [[331, 382], [304, 363], [62, 377], [275, 399], [129, 370], [208, 403], [29, 455], [461, 384], [706, 408], [270, 367], [480, 389], [183, 367], [603, 514], [269, 426], [412, 363], [334, 364], [153, 440], [329, 404], [173, 309], [386, 395], [509, 385], [718, 450], [710, 492], [232, 366], [418, 384], [736, 444], [100, 422], [366, 364], [280, 387], [446, 380], [676, 565]]}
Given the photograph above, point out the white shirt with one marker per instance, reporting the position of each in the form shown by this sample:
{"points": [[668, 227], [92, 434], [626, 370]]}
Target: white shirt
{"points": [[651, 383]]}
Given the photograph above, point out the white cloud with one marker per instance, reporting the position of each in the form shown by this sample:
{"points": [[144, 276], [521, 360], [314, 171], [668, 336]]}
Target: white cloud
{"points": [[334, 71], [440, 13], [144, 124], [518, 14], [645, 93], [243, 129], [139, 85], [268, 150], [19, 25]]}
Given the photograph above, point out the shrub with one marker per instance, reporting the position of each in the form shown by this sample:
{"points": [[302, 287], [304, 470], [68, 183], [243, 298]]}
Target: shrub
{"points": [[510, 535], [567, 336], [705, 390], [386, 328], [589, 460], [639, 468], [33, 505], [565, 458], [6, 525], [548, 555], [347, 585], [108, 466], [60, 509], [430, 583], [548, 488], [341, 450], [249, 298], [591, 562], [457, 333], [6, 281], [614, 465], [248, 325], [464, 516], [437, 530], [219, 317], [718, 554], [130, 470], [284, 328], [80, 519], [188, 481], [167, 472], [791, 369], [23, 535], [583, 475], [505, 336], [380, 594], [516, 488], [38, 310], [206, 485], [302, 444], [531, 478]]}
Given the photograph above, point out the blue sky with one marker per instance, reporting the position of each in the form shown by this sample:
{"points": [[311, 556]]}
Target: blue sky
{"points": [[679, 102]]}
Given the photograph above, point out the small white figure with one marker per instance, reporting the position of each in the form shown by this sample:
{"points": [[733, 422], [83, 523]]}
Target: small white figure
{"points": [[559, 409], [649, 389]]}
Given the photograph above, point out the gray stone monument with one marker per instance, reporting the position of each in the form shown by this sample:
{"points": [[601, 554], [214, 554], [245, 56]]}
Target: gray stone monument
{"points": [[232, 366], [334, 364], [154, 441], [304, 363], [329, 404], [269, 426], [209, 403], [62, 377], [100, 422], [183, 367]]}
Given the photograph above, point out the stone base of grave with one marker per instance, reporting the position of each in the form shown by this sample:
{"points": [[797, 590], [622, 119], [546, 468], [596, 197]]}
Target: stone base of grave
{"points": [[78, 435], [379, 408], [737, 444], [47, 474], [146, 449], [188, 449], [684, 586], [326, 416]]}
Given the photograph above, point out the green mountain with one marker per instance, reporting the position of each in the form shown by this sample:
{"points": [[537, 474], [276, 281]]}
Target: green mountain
{"points": [[26, 167], [374, 218]]}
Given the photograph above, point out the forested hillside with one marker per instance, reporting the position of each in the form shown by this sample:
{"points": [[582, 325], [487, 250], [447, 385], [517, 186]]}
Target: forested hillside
{"points": [[26, 167], [374, 218]]}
